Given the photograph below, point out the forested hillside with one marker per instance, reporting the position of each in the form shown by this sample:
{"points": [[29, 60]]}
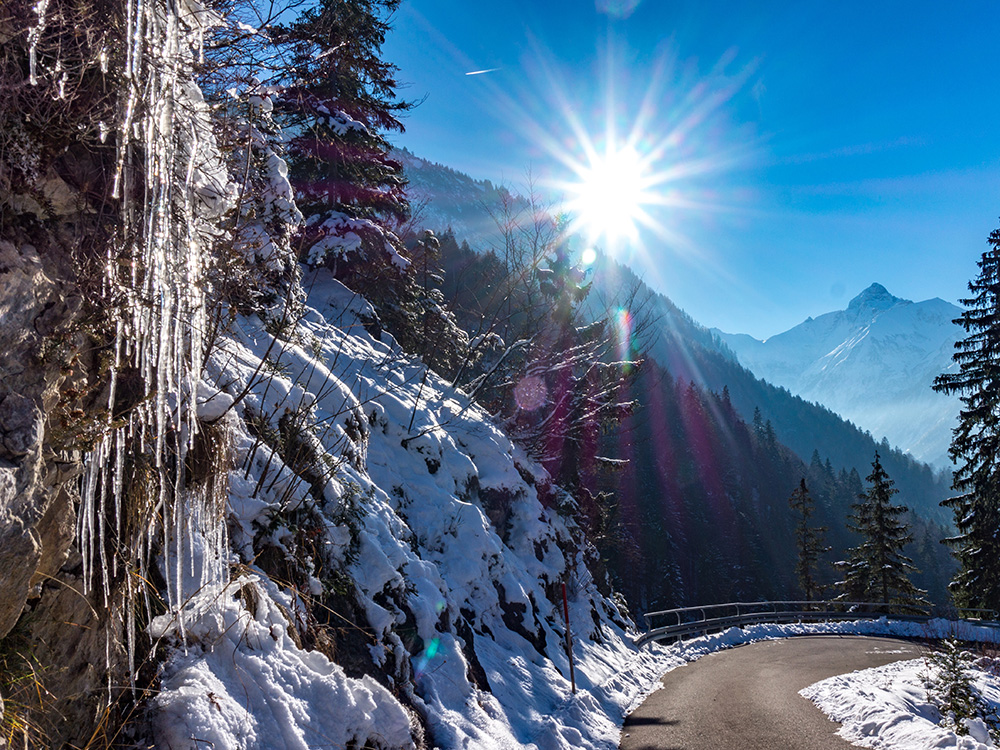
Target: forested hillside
{"points": [[688, 350], [692, 484], [443, 197], [706, 492]]}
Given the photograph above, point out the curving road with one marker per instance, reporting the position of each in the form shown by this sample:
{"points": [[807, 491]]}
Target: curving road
{"points": [[747, 698]]}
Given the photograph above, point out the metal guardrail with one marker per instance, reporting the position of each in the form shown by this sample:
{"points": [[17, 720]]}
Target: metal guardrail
{"points": [[687, 621]]}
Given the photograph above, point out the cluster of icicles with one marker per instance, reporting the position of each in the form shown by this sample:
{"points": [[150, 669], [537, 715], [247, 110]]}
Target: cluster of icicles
{"points": [[169, 188]]}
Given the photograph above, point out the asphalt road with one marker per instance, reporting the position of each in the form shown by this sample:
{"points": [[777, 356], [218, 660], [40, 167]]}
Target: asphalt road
{"points": [[747, 698]]}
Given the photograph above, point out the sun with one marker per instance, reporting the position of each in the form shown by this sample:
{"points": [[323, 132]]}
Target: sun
{"points": [[635, 171], [608, 200]]}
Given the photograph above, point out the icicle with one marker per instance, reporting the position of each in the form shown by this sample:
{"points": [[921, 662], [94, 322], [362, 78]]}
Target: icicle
{"points": [[34, 34], [62, 80], [165, 133]]}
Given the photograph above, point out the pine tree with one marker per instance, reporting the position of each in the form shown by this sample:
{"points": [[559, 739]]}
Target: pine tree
{"points": [[951, 691], [854, 484], [338, 102], [877, 570], [758, 424], [975, 446], [816, 463], [808, 541], [771, 440]]}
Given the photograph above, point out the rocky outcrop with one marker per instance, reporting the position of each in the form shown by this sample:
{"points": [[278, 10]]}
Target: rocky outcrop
{"points": [[61, 630], [32, 309]]}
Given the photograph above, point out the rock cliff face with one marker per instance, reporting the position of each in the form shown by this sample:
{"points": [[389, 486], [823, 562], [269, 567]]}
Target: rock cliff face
{"points": [[61, 646], [27, 492], [54, 634]]}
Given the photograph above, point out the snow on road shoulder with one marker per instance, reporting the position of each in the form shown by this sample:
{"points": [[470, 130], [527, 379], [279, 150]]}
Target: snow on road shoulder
{"points": [[934, 629], [887, 708]]}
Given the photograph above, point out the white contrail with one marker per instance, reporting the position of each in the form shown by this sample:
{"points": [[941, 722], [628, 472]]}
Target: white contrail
{"points": [[480, 72]]}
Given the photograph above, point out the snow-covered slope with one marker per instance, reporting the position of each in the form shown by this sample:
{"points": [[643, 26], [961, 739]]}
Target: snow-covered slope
{"points": [[873, 364], [367, 495]]}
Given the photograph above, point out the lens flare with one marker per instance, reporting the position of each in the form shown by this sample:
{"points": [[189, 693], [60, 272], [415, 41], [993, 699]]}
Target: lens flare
{"points": [[623, 334], [430, 651], [530, 393]]}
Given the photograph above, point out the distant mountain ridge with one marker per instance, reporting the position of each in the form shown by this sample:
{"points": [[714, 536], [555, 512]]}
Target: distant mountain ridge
{"points": [[443, 198], [873, 363]]}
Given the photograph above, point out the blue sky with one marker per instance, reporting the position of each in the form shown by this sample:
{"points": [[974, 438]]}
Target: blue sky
{"points": [[803, 150]]}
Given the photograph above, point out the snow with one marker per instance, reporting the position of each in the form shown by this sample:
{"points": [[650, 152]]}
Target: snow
{"points": [[873, 364], [433, 515], [683, 652], [243, 683], [887, 707], [341, 236], [212, 403]]}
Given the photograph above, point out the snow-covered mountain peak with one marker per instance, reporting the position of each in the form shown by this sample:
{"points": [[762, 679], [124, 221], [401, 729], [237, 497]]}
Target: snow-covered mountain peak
{"points": [[874, 299], [873, 363]]}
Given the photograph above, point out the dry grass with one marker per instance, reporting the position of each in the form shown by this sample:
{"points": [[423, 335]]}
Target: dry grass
{"points": [[27, 703]]}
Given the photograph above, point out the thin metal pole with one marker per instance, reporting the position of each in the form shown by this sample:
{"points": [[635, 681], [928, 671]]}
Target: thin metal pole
{"points": [[569, 640]]}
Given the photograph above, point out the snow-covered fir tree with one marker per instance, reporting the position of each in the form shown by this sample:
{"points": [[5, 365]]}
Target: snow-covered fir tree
{"points": [[338, 101], [951, 690]]}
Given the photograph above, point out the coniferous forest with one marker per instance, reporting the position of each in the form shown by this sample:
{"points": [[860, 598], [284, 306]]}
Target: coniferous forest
{"points": [[701, 487]]}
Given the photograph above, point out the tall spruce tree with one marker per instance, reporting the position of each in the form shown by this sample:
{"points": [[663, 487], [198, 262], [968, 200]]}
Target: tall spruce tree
{"points": [[808, 541], [338, 102], [877, 570], [975, 445]]}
